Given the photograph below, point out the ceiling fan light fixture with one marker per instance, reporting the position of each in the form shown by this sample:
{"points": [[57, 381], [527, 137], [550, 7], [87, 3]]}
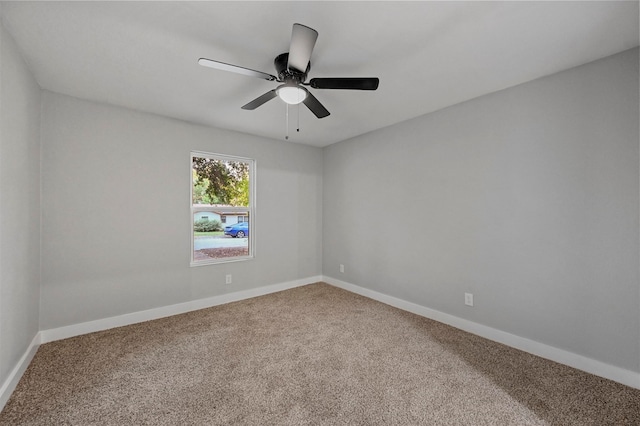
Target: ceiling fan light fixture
{"points": [[292, 95]]}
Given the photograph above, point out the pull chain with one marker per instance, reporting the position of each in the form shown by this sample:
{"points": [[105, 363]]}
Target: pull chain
{"points": [[287, 123], [286, 137]]}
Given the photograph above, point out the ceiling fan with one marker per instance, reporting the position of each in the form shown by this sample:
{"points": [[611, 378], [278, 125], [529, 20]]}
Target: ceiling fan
{"points": [[292, 68]]}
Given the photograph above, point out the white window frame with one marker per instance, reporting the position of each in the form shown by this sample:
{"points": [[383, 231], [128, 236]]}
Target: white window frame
{"points": [[251, 208]]}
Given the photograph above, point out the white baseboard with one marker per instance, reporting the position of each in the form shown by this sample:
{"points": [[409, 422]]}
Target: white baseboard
{"points": [[167, 311], [12, 380], [598, 368], [53, 334], [580, 362]]}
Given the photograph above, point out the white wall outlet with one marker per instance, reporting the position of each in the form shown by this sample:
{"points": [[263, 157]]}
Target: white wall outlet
{"points": [[342, 268], [468, 299], [228, 279]]}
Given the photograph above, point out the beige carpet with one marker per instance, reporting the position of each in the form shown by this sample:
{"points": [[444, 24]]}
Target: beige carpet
{"points": [[310, 355]]}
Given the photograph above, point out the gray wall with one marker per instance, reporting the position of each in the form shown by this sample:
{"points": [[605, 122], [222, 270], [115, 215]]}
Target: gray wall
{"points": [[527, 198], [19, 205], [115, 212]]}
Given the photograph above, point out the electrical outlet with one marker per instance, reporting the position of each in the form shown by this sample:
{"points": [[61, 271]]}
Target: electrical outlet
{"points": [[228, 279], [342, 268], [468, 299]]}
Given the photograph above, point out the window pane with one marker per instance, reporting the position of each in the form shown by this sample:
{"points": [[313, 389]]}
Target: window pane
{"points": [[231, 241], [220, 182]]}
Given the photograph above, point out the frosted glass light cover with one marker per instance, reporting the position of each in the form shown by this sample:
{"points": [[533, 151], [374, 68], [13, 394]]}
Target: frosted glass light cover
{"points": [[292, 95]]}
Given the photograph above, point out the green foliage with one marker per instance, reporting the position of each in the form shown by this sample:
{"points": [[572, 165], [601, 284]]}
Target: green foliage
{"points": [[220, 182], [206, 225], [200, 195]]}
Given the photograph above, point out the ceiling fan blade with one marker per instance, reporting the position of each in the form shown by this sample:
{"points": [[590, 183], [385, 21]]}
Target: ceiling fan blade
{"points": [[260, 100], [234, 68], [345, 83], [303, 39], [315, 106]]}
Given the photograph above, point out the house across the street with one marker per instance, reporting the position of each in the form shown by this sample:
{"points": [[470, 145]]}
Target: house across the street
{"points": [[212, 212]]}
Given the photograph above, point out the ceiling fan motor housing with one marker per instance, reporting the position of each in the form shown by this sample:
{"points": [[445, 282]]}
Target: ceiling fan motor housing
{"points": [[289, 75]]}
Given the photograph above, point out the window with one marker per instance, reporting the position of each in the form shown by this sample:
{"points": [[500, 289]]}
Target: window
{"points": [[243, 219], [224, 184]]}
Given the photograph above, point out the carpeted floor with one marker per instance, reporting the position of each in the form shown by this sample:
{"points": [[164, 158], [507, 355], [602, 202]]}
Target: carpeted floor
{"points": [[311, 355]]}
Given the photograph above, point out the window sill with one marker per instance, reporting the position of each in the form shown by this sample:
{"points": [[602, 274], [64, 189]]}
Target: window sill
{"points": [[218, 261]]}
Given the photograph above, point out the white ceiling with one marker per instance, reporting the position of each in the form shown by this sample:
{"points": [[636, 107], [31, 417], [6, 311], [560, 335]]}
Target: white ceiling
{"points": [[428, 55]]}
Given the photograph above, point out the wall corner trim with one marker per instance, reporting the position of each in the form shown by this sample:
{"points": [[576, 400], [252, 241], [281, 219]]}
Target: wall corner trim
{"points": [[580, 362], [12, 380]]}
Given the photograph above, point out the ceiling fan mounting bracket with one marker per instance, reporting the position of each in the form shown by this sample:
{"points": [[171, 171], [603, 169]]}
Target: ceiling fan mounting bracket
{"points": [[289, 75]]}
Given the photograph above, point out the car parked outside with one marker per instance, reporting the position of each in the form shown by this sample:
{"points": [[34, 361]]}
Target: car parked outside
{"points": [[238, 230]]}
